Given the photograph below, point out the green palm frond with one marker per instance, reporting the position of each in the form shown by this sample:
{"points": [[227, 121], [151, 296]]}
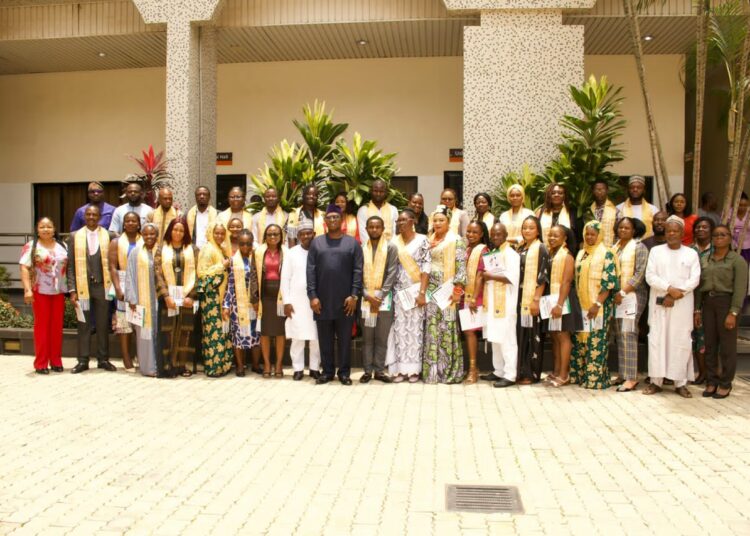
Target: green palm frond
{"points": [[289, 171], [319, 133], [530, 182]]}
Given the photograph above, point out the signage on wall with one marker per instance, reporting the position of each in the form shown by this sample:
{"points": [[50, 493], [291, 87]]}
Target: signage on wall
{"points": [[456, 155], [223, 159]]}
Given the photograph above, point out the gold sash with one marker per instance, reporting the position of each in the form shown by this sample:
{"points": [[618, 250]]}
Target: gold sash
{"points": [[589, 277], [647, 216], [162, 221], [513, 222], [226, 215], [350, 226], [448, 249], [374, 270], [387, 213], [279, 218], [123, 244], [318, 221], [531, 271], [546, 221], [558, 268], [167, 267], [80, 250], [241, 294], [488, 219], [625, 258], [471, 270], [193, 216], [455, 223], [144, 290], [499, 289], [608, 219], [407, 261], [260, 254]]}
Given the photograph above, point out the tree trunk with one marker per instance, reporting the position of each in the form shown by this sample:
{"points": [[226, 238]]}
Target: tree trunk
{"points": [[657, 157], [700, 91]]}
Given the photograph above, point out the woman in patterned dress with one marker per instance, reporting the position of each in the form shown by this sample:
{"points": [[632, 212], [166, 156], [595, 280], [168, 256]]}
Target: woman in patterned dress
{"points": [[596, 283], [212, 264], [404, 357], [534, 278], [242, 327], [443, 357], [119, 249]]}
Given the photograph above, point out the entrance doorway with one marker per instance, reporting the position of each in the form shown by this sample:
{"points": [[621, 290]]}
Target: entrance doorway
{"points": [[59, 201], [224, 183], [455, 180]]}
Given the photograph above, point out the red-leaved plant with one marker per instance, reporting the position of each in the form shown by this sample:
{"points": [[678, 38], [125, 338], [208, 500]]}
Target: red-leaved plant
{"points": [[153, 174]]}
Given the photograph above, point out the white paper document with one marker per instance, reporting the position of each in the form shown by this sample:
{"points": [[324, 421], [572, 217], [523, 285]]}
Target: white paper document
{"points": [[407, 297], [442, 296], [547, 303], [471, 320], [135, 317], [176, 292], [628, 308], [494, 263], [594, 324], [79, 312]]}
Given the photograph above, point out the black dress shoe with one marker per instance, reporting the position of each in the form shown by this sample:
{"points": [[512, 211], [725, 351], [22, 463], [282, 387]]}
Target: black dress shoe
{"points": [[314, 374], [321, 379], [366, 377], [345, 380], [57, 369], [298, 375], [502, 382], [41, 371], [490, 377], [717, 396], [80, 367], [383, 377], [106, 365]]}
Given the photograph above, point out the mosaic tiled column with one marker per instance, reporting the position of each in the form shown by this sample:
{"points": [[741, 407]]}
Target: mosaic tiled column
{"points": [[518, 65], [191, 89]]}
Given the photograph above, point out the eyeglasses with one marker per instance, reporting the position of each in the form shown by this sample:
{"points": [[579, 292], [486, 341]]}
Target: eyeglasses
{"points": [[720, 235], [96, 191]]}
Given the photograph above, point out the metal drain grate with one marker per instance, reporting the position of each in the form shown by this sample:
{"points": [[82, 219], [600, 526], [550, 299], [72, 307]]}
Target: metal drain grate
{"points": [[483, 499]]}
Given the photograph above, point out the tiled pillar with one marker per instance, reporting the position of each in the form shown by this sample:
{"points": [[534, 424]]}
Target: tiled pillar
{"points": [[191, 90], [518, 65]]}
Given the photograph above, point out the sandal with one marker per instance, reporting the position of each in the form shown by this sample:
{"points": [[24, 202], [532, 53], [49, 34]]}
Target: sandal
{"points": [[413, 378], [651, 389], [549, 379], [266, 374], [707, 393], [618, 381], [559, 382], [279, 374], [623, 389], [684, 392], [186, 373]]}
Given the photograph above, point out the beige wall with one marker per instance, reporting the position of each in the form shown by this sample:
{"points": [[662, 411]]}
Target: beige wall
{"points": [[668, 98], [76, 126]]}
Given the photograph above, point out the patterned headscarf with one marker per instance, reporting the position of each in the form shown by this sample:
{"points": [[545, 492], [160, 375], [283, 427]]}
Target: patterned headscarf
{"points": [[596, 226]]}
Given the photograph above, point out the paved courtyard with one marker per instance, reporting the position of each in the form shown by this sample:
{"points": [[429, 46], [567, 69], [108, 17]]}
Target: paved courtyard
{"points": [[118, 453]]}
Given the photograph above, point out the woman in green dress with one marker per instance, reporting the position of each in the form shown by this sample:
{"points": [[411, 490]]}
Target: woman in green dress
{"points": [[596, 283], [212, 283], [443, 357]]}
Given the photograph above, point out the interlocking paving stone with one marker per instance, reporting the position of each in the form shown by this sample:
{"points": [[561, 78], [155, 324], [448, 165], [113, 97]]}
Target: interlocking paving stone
{"points": [[117, 453]]}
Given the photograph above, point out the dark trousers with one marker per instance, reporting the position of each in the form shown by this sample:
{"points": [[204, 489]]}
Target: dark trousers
{"points": [[375, 343], [721, 343], [341, 328], [99, 313]]}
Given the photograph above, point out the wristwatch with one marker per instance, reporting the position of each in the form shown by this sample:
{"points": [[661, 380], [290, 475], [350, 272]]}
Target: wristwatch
{"points": [[733, 313], [623, 293], [598, 304]]}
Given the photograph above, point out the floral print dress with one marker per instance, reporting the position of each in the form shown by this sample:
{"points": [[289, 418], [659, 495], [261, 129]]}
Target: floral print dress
{"points": [[588, 363], [216, 347]]}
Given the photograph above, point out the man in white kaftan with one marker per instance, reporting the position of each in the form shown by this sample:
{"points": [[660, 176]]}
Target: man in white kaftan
{"points": [[300, 325], [500, 329], [673, 272]]}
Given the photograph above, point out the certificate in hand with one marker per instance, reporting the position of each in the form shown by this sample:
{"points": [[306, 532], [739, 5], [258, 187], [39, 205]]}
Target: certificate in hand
{"points": [[135, 316], [407, 297], [547, 303], [471, 320], [628, 308], [442, 296], [494, 263]]}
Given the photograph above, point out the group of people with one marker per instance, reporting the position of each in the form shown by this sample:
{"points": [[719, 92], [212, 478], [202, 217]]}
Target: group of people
{"points": [[213, 286]]}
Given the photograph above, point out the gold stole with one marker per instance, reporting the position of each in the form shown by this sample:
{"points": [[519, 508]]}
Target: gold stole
{"points": [[531, 271], [456, 220], [145, 281], [241, 294], [350, 225], [374, 270], [488, 219], [80, 250], [589, 278], [123, 244], [260, 254], [372, 210], [471, 270], [647, 216], [498, 290], [609, 216], [318, 221], [513, 223], [558, 268], [210, 263], [546, 221], [192, 218], [278, 219], [407, 261], [162, 220], [625, 261], [448, 249], [226, 216], [167, 267]]}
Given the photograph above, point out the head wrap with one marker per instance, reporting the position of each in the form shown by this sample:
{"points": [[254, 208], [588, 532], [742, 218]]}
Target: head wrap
{"points": [[333, 209], [305, 224], [516, 187], [596, 226], [675, 219], [636, 178]]}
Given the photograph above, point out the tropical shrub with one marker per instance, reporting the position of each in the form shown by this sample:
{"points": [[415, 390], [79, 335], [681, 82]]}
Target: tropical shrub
{"points": [[153, 174], [531, 183], [319, 133], [4, 282], [70, 320], [289, 172], [10, 317]]}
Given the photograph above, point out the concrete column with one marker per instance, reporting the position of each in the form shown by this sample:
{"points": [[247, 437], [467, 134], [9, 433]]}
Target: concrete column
{"points": [[518, 65], [191, 90]]}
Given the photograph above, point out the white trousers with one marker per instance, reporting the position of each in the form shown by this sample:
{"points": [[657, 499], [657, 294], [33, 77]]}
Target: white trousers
{"points": [[297, 353], [505, 358], [677, 383]]}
